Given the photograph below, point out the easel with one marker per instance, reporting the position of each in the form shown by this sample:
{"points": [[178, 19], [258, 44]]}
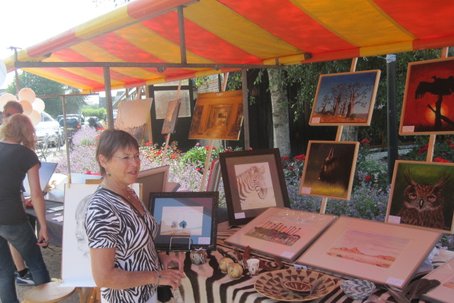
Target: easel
{"points": [[210, 146], [166, 146], [340, 129]]}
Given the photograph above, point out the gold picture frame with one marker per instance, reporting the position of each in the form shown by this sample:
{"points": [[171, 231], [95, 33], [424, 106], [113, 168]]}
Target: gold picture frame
{"points": [[217, 116]]}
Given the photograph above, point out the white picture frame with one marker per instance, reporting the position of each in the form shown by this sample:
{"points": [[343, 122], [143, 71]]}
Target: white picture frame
{"points": [[281, 232], [379, 252]]}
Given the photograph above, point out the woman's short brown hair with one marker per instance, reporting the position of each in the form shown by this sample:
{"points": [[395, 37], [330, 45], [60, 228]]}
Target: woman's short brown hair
{"points": [[19, 128], [112, 140]]}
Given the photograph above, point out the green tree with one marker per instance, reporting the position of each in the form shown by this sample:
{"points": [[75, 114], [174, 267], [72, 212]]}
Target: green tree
{"points": [[50, 92]]}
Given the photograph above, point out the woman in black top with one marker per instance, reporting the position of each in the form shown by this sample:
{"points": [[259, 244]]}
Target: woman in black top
{"points": [[17, 159]]}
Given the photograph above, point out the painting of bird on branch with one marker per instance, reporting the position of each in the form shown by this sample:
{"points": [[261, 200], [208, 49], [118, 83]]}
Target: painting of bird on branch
{"points": [[429, 98]]}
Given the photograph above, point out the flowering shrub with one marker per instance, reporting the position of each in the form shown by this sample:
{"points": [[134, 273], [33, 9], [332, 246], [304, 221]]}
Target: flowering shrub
{"points": [[443, 150]]}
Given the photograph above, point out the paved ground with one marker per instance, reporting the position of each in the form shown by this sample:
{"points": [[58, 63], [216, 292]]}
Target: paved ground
{"points": [[52, 257]]}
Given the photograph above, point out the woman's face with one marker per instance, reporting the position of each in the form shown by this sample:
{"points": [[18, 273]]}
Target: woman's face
{"points": [[124, 166]]}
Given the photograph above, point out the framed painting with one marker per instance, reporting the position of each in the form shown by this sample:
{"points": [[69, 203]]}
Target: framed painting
{"points": [[170, 120], [345, 98], [376, 251], [186, 219], [253, 181], [428, 106], [217, 116], [445, 291], [281, 232], [329, 169], [153, 180], [421, 195]]}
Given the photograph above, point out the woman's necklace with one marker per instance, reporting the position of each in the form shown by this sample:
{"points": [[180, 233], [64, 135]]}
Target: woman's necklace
{"points": [[129, 197]]}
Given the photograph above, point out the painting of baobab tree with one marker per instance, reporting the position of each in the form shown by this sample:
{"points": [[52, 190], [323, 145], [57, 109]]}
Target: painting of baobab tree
{"points": [[428, 106], [345, 98]]}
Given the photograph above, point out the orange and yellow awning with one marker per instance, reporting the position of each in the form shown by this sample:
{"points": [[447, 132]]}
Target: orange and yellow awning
{"points": [[142, 42]]}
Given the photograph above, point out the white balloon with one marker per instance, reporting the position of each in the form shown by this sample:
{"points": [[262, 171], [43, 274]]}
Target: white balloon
{"points": [[35, 117], [27, 106], [38, 105], [5, 98], [27, 93]]}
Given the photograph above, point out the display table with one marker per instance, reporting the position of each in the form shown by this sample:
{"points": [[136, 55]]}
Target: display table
{"points": [[206, 283]]}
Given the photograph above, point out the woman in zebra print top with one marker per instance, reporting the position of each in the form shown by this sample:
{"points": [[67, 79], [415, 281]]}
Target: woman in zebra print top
{"points": [[125, 263]]}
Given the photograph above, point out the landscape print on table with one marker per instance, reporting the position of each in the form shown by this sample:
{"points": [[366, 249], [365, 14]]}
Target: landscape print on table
{"points": [[181, 221], [345, 98], [429, 98], [254, 184], [329, 169], [276, 232], [422, 195], [368, 248]]}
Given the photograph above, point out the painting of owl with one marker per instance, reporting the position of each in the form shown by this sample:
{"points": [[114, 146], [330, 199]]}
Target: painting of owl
{"points": [[423, 204]]}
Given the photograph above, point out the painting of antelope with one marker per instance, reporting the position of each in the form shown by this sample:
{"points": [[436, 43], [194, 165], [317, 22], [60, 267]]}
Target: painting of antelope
{"points": [[253, 182], [421, 195], [329, 170]]}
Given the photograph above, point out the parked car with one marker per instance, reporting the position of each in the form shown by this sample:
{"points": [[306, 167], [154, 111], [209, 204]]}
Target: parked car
{"points": [[48, 131]]}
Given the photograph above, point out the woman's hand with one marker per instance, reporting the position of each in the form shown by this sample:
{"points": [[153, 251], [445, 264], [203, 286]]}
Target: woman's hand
{"points": [[172, 260], [171, 277]]}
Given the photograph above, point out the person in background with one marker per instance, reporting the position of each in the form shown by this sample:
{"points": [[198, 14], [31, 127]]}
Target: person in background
{"points": [[17, 159], [121, 231], [23, 275]]}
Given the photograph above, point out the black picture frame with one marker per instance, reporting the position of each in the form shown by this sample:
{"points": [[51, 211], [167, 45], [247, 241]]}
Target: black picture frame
{"points": [[190, 220], [274, 193]]}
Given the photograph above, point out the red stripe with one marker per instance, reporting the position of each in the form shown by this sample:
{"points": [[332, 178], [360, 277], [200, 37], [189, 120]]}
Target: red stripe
{"points": [[289, 23], [424, 19], [199, 41]]}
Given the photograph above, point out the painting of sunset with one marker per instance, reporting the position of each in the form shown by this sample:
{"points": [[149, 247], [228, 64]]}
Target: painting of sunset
{"points": [[428, 106], [368, 248]]}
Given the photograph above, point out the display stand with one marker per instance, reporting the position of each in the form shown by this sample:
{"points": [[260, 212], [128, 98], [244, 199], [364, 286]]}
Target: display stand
{"points": [[340, 129], [210, 145], [166, 145]]}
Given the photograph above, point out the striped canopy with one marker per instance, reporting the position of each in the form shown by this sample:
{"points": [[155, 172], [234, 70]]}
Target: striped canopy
{"points": [[152, 41]]}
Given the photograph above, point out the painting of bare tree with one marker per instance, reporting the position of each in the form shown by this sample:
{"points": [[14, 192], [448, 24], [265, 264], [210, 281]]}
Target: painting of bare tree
{"points": [[345, 98], [429, 98]]}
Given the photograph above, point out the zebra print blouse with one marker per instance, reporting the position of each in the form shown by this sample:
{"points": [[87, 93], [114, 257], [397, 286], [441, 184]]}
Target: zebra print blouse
{"points": [[111, 222]]}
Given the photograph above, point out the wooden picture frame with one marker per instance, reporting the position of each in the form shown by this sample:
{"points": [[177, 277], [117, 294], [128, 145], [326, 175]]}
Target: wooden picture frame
{"points": [[186, 219], [217, 116], [246, 200], [329, 169], [152, 180], [376, 251], [445, 291], [345, 98], [170, 120], [421, 195], [428, 106], [281, 232]]}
